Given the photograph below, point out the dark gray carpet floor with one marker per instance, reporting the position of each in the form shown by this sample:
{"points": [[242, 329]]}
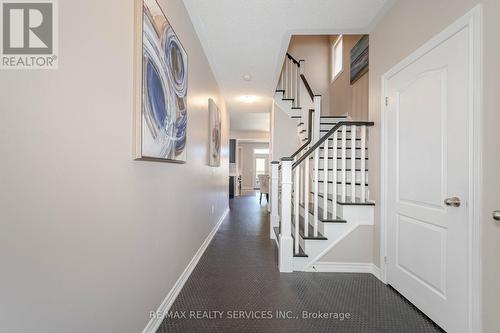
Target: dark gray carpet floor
{"points": [[238, 277]]}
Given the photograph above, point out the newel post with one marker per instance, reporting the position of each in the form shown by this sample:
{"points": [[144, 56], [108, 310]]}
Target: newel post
{"points": [[317, 119], [285, 258], [275, 218]]}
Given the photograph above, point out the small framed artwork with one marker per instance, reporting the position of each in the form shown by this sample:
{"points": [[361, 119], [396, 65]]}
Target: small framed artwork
{"points": [[215, 133], [161, 71], [360, 59]]}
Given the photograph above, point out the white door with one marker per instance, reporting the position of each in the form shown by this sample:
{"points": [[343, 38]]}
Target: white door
{"points": [[427, 164]]}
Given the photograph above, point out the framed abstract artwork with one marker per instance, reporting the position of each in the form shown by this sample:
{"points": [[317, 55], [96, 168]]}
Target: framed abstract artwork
{"points": [[359, 59], [215, 133], [161, 70]]}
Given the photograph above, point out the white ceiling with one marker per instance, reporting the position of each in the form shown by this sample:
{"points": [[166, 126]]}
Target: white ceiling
{"points": [[250, 121], [251, 37]]}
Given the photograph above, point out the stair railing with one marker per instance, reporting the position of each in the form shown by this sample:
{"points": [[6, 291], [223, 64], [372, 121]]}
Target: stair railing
{"points": [[295, 88], [294, 179], [289, 81]]}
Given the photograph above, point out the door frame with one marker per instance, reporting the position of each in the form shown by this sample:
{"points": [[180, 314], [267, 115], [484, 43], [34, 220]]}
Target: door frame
{"points": [[473, 21], [255, 157]]}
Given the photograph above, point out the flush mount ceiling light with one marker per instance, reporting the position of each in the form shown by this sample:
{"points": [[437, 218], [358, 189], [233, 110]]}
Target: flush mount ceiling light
{"points": [[248, 98], [247, 77]]}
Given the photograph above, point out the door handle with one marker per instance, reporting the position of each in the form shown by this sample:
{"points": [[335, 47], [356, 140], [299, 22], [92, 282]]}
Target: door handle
{"points": [[496, 215], [453, 202]]}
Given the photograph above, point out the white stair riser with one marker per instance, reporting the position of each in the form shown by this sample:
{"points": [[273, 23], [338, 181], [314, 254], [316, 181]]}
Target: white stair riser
{"points": [[339, 153], [348, 143], [321, 175], [339, 188], [338, 164], [324, 228], [362, 214], [352, 213], [332, 120], [339, 133]]}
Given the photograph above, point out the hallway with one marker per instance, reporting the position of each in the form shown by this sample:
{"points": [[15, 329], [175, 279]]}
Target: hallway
{"points": [[238, 272]]}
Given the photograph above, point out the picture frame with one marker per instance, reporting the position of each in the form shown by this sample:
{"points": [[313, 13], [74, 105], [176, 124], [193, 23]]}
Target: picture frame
{"points": [[359, 59], [215, 128], [160, 87]]}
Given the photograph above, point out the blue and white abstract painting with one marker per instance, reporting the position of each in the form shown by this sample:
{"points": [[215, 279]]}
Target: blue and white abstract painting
{"points": [[164, 88]]}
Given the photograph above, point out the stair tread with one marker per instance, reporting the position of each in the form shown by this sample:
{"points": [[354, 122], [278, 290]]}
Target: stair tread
{"points": [[338, 158], [357, 201], [329, 117], [347, 139], [310, 230], [340, 183], [330, 218], [331, 169], [348, 148]]}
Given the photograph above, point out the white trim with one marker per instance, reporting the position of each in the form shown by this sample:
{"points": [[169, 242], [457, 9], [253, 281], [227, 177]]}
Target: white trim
{"points": [[345, 267], [381, 14], [154, 323], [333, 58], [377, 272], [473, 21]]}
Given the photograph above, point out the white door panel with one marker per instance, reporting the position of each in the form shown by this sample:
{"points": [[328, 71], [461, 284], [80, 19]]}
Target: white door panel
{"points": [[427, 156], [426, 150]]}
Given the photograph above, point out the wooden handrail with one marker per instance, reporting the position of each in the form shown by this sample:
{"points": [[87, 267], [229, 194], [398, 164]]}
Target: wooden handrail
{"points": [[308, 87], [305, 145], [327, 135], [293, 59]]}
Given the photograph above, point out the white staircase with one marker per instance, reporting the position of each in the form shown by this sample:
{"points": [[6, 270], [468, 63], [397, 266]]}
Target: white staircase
{"points": [[319, 195]]}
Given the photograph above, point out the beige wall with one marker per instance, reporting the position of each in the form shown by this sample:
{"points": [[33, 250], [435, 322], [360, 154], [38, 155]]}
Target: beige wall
{"points": [[90, 240], [248, 163], [338, 97], [344, 97], [408, 25], [356, 247], [284, 138], [250, 135], [313, 49]]}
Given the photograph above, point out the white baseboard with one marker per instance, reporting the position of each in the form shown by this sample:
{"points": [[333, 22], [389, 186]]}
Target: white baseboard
{"points": [[377, 272], [154, 323], [346, 267]]}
